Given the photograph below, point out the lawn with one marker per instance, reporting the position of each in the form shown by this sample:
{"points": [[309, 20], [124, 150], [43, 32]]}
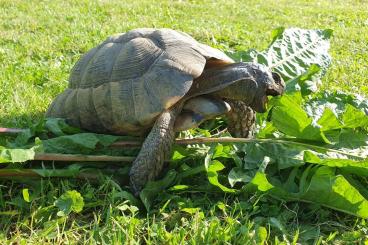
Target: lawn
{"points": [[41, 40]]}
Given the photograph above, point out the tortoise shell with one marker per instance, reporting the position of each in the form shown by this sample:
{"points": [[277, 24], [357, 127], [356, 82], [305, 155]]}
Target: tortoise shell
{"points": [[123, 84]]}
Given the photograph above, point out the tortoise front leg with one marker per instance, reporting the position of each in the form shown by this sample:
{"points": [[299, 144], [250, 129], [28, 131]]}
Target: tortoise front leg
{"points": [[155, 149], [241, 119]]}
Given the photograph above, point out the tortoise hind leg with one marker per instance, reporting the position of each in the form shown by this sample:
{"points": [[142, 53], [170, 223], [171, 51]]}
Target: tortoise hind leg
{"points": [[241, 119], [155, 149]]}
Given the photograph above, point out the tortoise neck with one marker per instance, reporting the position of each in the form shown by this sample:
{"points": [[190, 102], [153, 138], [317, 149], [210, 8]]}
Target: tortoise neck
{"points": [[216, 79], [240, 90]]}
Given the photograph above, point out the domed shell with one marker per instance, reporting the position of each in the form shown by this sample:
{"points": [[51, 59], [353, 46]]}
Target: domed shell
{"points": [[123, 84]]}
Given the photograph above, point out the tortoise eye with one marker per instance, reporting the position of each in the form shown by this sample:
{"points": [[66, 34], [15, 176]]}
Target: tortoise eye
{"points": [[276, 77], [277, 87]]}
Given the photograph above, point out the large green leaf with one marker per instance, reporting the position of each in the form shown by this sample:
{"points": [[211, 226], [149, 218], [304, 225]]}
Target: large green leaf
{"points": [[299, 55], [213, 166], [293, 51], [290, 118], [324, 188], [336, 101], [359, 167], [334, 191]]}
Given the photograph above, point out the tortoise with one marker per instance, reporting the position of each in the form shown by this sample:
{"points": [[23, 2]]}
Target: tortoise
{"points": [[156, 82]]}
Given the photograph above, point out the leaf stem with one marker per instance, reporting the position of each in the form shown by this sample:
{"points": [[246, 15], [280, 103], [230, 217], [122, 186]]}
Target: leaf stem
{"points": [[204, 140]]}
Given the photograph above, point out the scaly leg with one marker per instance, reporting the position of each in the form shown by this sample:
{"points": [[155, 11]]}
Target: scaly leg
{"points": [[155, 149], [241, 119]]}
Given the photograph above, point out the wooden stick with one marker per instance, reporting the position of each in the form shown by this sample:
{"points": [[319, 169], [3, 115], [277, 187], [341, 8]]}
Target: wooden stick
{"points": [[81, 158], [11, 130], [198, 140], [4, 173]]}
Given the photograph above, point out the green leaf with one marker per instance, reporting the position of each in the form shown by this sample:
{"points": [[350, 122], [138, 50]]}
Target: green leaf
{"points": [[304, 82], [70, 201], [334, 191], [354, 118], [152, 188], [237, 175], [353, 142], [71, 171], [16, 155], [359, 167], [324, 188], [25, 194], [261, 235], [336, 101], [127, 196], [23, 137], [179, 187], [59, 127], [213, 167], [283, 154], [290, 118], [329, 120], [83, 143]]}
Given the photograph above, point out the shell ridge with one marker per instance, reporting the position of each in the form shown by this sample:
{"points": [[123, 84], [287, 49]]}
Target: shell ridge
{"points": [[84, 72], [98, 114], [114, 62]]}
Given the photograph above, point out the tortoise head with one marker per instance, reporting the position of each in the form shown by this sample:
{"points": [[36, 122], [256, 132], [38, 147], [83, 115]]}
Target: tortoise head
{"points": [[268, 84]]}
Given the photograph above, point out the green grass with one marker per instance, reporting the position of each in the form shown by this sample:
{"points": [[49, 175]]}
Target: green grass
{"points": [[41, 40]]}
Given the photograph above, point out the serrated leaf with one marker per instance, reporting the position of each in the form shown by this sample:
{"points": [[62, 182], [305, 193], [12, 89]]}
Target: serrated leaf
{"points": [[284, 155], [294, 50], [336, 101], [299, 55], [324, 188]]}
